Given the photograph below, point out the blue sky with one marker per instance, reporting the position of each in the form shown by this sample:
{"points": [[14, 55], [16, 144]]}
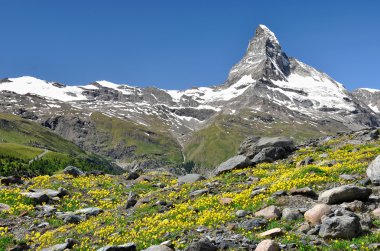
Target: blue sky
{"points": [[180, 44]]}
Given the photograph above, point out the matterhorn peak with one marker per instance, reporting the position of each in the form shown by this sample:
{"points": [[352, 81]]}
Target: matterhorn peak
{"points": [[264, 58]]}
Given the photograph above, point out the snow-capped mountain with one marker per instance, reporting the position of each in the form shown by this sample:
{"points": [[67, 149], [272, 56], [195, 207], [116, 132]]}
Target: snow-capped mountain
{"points": [[370, 97], [266, 92]]}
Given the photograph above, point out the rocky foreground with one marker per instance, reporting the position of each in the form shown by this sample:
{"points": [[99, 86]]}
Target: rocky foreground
{"points": [[323, 196]]}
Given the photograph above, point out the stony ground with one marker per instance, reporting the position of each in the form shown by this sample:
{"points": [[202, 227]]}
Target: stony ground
{"points": [[232, 210]]}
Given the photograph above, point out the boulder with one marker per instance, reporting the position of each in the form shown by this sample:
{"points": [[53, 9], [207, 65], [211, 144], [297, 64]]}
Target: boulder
{"points": [[272, 232], [251, 224], [90, 211], [269, 154], [202, 245], [376, 213], [346, 193], [235, 162], [72, 218], [315, 214], [125, 247], [74, 171], [342, 224], [158, 248], [373, 171], [12, 180], [37, 197], [133, 176], [251, 146], [290, 214], [268, 245], [190, 178], [305, 191], [271, 212], [199, 192], [61, 247], [241, 213]]}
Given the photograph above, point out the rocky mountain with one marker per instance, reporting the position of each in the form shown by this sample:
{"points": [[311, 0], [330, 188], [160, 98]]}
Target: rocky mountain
{"points": [[370, 97], [266, 93]]}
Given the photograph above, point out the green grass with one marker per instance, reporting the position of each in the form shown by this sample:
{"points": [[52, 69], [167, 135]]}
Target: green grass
{"points": [[19, 151]]}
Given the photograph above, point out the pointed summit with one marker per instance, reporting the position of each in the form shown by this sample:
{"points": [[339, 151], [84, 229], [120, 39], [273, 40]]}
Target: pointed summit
{"points": [[264, 58]]}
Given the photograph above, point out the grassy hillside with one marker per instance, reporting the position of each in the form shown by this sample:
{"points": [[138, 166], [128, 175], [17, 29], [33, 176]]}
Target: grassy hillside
{"points": [[193, 217], [22, 140], [144, 143], [217, 142]]}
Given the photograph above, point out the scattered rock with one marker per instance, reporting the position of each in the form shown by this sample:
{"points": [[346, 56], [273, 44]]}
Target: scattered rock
{"points": [[271, 212], [257, 191], [241, 213], [190, 178], [61, 247], [133, 176], [199, 192], [125, 247], [279, 193], [376, 213], [239, 161], [225, 201], [272, 232], [72, 219], [202, 245], [4, 207], [20, 247], [252, 224], [12, 180], [90, 211], [347, 177], [306, 161], [37, 197], [251, 146], [267, 245], [342, 224], [373, 171], [315, 214], [305, 191], [290, 214], [74, 171], [346, 193], [158, 248], [304, 227]]}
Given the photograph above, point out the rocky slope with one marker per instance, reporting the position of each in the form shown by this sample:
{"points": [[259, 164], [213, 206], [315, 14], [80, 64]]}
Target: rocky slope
{"points": [[318, 198], [370, 97], [266, 93]]}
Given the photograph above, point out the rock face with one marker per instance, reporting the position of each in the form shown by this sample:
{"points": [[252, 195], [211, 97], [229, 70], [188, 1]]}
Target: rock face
{"points": [[190, 178], [373, 171], [342, 224], [346, 193], [239, 161], [370, 97]]}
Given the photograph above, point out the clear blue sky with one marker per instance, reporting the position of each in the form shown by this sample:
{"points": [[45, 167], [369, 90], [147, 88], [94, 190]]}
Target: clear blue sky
{"points": [[179, 44]]}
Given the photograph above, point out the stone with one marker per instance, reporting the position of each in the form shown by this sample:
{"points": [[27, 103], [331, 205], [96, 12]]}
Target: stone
{"points": [[347, 177], [268, 245], [190, 178], [236, 162], [11, 180], [131, 203], [280, 193], [304, 227], [290, 214], [257, 191], [252, 224], [37, 197], [272, 232], [74, 171], [345, 225], [269, 154], [158, 248], [61, 247], [305, 191], [20, 247], [376, 213], [306, 161], [202, 245], [132, 176], [225, 201], [72, 219], [199, 192], [4, 207], [271, 212], [373, 171], [315, 214], [241, 213], [90, 211], [346, 193], [252, 145], [125, 247]]}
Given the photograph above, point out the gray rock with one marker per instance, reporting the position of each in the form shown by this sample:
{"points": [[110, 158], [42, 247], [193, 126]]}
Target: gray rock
{"points": [[190, 178], [268, 245], [133, 176], [305, 191], [290, 214], [74, 171], [373, 171], [61, 247], [235, 162], [199, 192], [125, 247], [90, 211], [72, 219], [241, 213], [4, 207], [251, 146], [158, 248], [249, 225], [37, 197], [271, 212], [345, 225], [346, 193], [202, 245]]}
